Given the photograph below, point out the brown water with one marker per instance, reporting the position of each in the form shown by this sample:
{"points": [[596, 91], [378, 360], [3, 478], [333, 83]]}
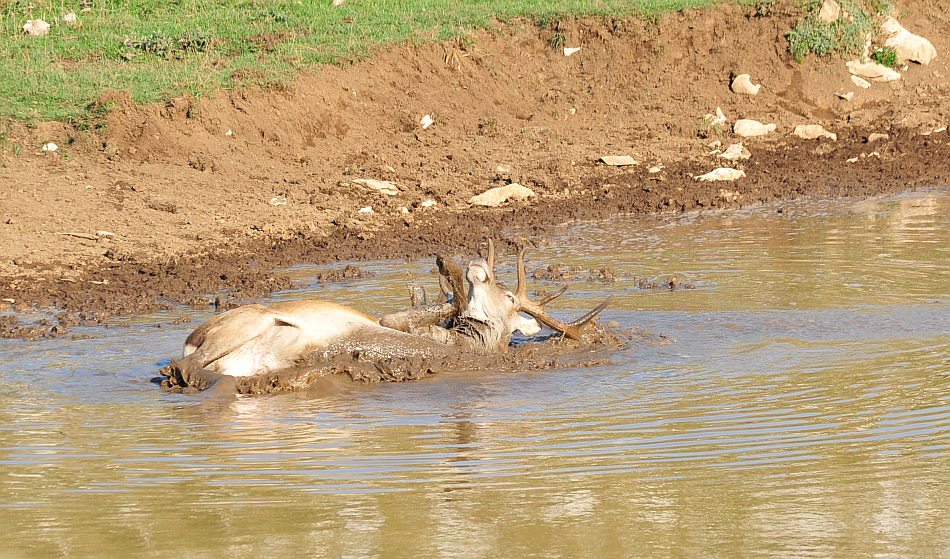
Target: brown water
{"points": [[802, 410]]}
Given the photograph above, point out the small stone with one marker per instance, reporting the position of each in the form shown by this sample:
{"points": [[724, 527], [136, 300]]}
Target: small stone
{"points": [[655, 169], [499, 195], [338, 3], [849, 95], [829, 12], [728, 195], [618, 160], [860, 82], [813, 131], [568, 51], [735, 152], [715, 119], [748, 128], [366, 210], [383, 187], [877, 136], [721, 174], [428, 203], [426, 121], [49, 147], [71, 19], [873, 71], [404, 210], [105, 234], [742, 84], [503, 169], [36, 28], [278, 201], [229, 133]]}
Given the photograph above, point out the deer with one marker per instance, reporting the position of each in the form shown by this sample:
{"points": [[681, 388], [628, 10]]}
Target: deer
{"points": [[478, 317]]}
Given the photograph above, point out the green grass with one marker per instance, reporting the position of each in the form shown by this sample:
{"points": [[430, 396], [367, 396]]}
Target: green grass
{"points": [[844, 36], [159, 49], [885, 56]]}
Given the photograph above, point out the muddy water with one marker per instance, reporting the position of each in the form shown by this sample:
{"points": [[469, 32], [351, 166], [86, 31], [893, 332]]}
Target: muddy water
{"points": [[801, 409]]}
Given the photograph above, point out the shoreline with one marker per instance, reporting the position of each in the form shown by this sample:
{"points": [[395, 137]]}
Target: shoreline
{"points": [[195, 199]]}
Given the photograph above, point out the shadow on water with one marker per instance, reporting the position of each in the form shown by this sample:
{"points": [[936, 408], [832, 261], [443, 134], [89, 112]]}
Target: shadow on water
{"points": [[802, 409]]}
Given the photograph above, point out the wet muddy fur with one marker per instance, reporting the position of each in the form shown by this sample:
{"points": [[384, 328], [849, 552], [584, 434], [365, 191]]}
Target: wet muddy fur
{"points": [[539, 354]]}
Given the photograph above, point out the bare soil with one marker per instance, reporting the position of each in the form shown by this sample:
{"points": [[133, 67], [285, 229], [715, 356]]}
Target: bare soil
{"points": [[207, 197]]}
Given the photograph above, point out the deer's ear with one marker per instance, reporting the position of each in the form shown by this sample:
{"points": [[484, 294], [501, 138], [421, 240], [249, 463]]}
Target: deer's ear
{"points": [[512, 298]]}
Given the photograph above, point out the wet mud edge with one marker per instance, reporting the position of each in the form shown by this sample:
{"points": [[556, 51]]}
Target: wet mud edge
{"points": [[137, 283]]}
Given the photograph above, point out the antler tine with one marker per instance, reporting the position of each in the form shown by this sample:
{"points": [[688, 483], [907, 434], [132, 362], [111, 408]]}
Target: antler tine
{"points": [[536, 309], [552, 296], [522, 290]]}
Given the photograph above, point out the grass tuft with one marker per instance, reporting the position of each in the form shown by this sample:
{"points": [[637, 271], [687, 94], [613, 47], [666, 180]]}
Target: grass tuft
{"points": [[885, 56], [845, 36]]}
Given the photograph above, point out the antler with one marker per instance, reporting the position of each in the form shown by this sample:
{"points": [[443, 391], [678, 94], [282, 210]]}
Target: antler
{"points": [[491, 256], [452, 275], [536, 309]]}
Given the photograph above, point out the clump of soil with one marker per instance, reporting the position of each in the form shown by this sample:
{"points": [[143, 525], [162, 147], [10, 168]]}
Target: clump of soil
{"points": [[205, 198], [345, 273]]}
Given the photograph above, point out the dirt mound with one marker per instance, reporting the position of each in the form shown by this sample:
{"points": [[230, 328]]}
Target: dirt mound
{"points": [[207, 196]]}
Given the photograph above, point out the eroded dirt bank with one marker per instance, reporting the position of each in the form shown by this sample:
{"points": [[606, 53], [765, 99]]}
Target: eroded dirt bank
{"points": [[207, 197]]}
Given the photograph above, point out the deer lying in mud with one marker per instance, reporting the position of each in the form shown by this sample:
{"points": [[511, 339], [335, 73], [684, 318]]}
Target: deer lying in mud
{"points": [[480, 319]]}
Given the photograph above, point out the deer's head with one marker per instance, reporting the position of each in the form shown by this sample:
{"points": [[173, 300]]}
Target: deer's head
{"points": [[492, 304]]}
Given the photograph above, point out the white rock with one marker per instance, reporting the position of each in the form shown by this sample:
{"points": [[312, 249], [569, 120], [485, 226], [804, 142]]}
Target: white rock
{"points": [[847, 96], [829, 12], [499, 195], [571, 50], [908, 45], [877, 136], [655, 169], [721, 174], [873, 71], [71, 19], [366, 210], [50, 147], [426, 122], [338, 3], [735, 152], [36, 28], [404, 210], [428, 203], [383, 187], [748, 128], [813, 131], [618, 160], [743, 85], [105, 234], [717, 119], [278, 201], [860, 82], [229, 133]]}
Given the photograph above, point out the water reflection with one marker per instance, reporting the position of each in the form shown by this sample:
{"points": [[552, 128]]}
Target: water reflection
{"points": [[803, 410]]}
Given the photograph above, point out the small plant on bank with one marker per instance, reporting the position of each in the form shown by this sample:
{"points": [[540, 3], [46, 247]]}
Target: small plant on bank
{"points": [[846, 35], [885, 56], [708, 127]]}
